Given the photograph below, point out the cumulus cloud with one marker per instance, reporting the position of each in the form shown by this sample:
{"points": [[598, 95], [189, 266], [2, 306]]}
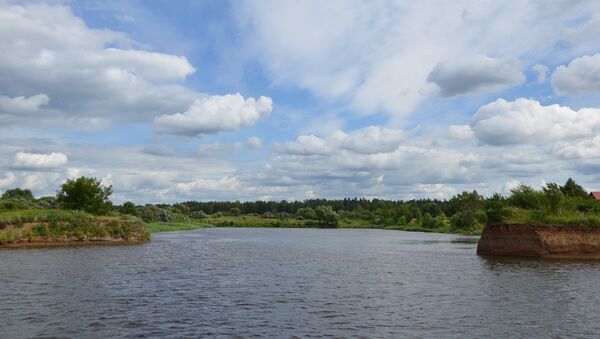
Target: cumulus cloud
{"points": [[527, 121], [8, 180], [39, 161], [22, 104], [461, 132], [215, 114], [478, 74], [201, 186], [254, 143], [509, 185], [320, 47], [369, 140], [580, 76], [587, 148], [541, 71], [94, 77], [437, 191]]}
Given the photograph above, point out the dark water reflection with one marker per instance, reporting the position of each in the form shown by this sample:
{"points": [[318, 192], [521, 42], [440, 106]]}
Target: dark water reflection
{"points": [[294, 282]]}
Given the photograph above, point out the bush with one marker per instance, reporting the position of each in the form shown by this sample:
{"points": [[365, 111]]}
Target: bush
{"points": [[327, 216], [198, 215], [18, 193], [523, 196], [86, 194], [129, 208]]}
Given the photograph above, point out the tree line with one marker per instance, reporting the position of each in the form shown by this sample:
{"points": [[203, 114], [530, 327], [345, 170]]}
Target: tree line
{"points": [[466, 210]]}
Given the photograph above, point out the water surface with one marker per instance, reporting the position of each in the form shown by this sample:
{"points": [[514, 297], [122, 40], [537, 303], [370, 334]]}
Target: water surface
{"points": [[244, 282]]}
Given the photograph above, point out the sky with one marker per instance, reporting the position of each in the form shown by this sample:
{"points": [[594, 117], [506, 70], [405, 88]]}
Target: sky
{"points": [[241, 100]]}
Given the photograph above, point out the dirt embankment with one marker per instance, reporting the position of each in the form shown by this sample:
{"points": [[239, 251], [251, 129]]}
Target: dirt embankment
{"points": [[540, 241]]}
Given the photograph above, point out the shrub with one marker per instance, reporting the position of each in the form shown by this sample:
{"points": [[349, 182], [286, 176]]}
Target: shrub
{"points": [[86, 194], [18, 193]]}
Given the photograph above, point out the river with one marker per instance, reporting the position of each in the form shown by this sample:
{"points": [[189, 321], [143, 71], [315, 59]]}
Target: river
{"points": [[281, 283]]}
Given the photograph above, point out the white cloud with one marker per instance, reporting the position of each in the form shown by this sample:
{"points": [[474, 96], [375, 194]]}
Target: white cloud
{"points": [[74, 172], [461, 132], [435, 191], [39, 161], [201, 186], [542, 72], [580, 76], [587, 148], [254, 143], [509, 185], [94, 77], [477, 74], [376, 56], [215, 114], [8, 180], [527, 121], [369, 140], [22, 104]]}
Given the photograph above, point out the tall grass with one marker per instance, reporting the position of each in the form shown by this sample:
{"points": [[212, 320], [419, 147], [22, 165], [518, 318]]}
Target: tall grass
{"points": [[66, 225], [513, 215]]}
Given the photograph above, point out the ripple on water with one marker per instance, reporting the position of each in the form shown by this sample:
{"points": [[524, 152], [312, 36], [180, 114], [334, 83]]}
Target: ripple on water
{"points": [[294, 283]]}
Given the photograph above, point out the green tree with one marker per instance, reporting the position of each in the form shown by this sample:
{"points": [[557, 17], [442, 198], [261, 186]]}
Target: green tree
{"points": [[442, 221], [572, 189], [129, 208], [466, 201], [554, 197], [327, 216], [307, 213], [464, 220], [428, 221], [431, 208], [236, 211], [86, 194], [524, 196], [18, 193], [496, 208]]}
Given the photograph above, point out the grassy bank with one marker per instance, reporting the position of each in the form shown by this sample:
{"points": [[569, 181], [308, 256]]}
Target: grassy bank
{"points": [[257, 221], [66, 226], [543, 218]]}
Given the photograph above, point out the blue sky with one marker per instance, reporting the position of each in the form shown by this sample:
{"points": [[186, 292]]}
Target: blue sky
{"points": [[243, 100]]}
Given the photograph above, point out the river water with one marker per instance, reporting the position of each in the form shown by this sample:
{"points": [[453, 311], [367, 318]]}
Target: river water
{"points": [[281, 283]]}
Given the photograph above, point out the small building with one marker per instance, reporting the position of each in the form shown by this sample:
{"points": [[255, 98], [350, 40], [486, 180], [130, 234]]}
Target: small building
{"points": [[595, 195]]}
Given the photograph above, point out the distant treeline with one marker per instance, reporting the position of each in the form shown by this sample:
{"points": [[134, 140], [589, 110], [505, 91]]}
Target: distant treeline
{"points": [[569, 204]]}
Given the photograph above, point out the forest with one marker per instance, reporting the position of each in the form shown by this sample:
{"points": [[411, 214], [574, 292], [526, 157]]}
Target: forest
{"points": [[466, 212]]}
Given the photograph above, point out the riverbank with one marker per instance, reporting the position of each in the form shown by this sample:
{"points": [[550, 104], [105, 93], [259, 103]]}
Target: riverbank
{"points": [[31, 228], [544, 241], [257, 221]]}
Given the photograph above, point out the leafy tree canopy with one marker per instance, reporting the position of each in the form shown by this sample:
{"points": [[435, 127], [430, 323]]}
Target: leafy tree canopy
{"points": [[572, 189], [18, 193], [86, 194]]}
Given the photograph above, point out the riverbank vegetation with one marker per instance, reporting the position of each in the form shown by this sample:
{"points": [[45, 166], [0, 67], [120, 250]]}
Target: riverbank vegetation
{"points": [[82, 209], [77, 214]]}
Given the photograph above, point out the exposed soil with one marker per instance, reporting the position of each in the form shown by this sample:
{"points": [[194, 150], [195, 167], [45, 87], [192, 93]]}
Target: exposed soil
{"points": [[540, 241]]}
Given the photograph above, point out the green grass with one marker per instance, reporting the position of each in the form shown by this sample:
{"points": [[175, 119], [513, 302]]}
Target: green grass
{"points": [[28, 216], [156, 227], [258, 221], [541, 218], [53, 225]]}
